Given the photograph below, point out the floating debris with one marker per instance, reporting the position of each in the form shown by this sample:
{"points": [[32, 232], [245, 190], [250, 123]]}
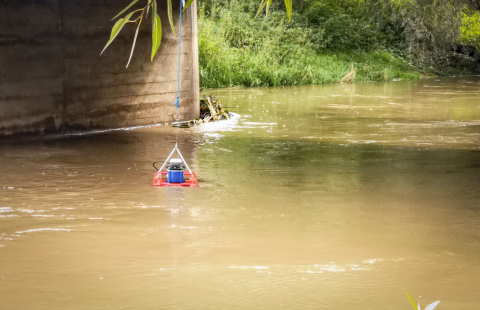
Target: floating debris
{"points": [[185, 124], [210, 111]]}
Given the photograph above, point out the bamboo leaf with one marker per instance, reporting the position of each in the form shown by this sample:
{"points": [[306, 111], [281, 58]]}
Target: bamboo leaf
{"points": [[264, 2], [134, 41], [411, 300], [123, 11], [170, 17], [116, 30], [187, 4], [288, 4], [156, 36]]}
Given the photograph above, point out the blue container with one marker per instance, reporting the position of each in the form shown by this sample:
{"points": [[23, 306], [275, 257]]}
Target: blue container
{"points": [[175, 176]]}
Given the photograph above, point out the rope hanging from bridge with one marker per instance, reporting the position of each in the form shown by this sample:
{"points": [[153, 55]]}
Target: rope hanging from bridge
{"points": [[177, 101]]}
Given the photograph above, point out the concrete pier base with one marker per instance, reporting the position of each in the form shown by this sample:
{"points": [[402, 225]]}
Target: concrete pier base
{"points": [[53, 79]]}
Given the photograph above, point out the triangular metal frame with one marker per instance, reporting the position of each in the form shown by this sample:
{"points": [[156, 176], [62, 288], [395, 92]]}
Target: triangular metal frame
{"points": [[169, 156]]}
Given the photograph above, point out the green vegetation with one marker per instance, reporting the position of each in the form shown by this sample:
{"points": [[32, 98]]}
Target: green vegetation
{"points": [[327, 40], [470, 30], [427, 28], [323, 41], [322, 44]]}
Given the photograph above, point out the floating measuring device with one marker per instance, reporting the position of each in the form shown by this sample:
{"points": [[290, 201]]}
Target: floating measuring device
{"points": [[175, 175]]}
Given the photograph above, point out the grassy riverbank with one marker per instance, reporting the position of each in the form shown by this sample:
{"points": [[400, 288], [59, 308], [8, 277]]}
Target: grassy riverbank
{"points": [[330, 40], [237, 49]]}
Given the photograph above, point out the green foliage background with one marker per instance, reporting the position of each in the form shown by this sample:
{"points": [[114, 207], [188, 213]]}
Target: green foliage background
{"points": [[320, 46], [380, 40], [470, 30]]}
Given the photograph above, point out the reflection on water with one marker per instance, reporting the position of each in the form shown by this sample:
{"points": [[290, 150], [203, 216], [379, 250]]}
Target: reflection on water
{"points": [[316, 197]]}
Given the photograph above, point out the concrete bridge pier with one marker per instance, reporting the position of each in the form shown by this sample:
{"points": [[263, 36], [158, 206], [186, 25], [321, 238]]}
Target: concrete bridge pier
{"points": [[53, 79]]}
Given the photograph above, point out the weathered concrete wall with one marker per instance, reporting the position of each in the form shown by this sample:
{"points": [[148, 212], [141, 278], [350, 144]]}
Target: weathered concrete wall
{"points": [[52, 78]]}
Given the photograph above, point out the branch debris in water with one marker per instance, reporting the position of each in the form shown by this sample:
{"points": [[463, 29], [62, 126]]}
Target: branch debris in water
{"points": [[210, 111]]}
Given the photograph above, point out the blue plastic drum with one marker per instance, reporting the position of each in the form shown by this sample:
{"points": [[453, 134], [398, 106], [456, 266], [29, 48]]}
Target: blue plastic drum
{"points": [[175, 176]]}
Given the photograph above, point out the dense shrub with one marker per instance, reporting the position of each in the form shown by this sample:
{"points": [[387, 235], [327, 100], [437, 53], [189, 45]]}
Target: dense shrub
{"points": [[428, 27], [323, 42]]}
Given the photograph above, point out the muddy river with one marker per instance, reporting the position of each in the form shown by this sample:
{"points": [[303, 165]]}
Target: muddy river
{"points": [[312, 197]]}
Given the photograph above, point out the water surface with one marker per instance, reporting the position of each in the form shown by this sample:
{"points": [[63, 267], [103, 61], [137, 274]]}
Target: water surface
{"points": [[316, 197]]}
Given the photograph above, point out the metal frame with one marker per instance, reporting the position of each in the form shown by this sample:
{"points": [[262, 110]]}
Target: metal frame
{"points": [[169, 156]]}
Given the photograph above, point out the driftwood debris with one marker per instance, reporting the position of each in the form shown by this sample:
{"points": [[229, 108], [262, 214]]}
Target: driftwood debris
{"points": [[210, 111]]}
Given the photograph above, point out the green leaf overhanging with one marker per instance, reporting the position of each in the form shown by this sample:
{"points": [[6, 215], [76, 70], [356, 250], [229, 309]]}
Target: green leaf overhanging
{"points": [[262, 5], [268, 3], [187, 5], [154, 13], [411, 300], [170, 17], [125, 9], [156, 36], [116, 29], [288, 4], [134, 41]]}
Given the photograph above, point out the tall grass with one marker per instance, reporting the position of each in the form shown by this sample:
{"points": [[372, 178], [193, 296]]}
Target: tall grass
{"points": [[236, 49]]}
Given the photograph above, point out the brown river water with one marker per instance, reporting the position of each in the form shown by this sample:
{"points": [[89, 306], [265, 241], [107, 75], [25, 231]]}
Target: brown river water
{"points": [[314, 197]]}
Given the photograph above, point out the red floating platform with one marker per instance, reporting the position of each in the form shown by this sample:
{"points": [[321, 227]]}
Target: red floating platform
{"points": [[160, 179]]}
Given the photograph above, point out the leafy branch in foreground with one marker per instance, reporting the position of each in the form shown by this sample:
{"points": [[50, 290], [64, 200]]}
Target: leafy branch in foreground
{"points": [[143, 13], [156, 22]]}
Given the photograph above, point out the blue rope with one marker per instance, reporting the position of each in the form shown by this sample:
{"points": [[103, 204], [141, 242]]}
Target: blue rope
{"points": [[177, 101]]}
